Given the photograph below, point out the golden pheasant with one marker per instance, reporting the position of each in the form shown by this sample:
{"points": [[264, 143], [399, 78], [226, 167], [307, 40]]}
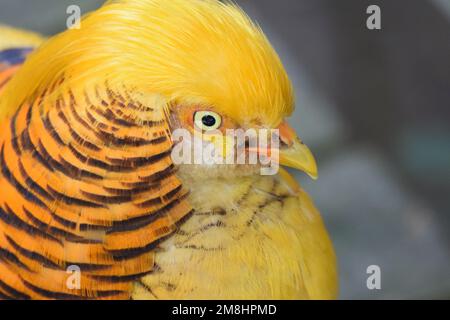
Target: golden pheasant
{"points": [[87, 171]]}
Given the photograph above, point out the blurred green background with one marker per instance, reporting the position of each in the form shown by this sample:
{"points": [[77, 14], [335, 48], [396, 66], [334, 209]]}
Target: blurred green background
{"points": [[374, 106]]}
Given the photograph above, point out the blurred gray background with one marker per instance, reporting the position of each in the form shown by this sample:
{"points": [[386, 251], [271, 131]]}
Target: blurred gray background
{"points": [[374, 106]]}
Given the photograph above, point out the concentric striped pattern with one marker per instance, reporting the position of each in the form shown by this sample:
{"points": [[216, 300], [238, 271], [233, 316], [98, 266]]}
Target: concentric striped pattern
{"points": [[86, 180]]}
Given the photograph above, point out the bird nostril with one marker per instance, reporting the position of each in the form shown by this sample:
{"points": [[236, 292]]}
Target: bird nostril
{"points": [[283, 144], [287, 134]]}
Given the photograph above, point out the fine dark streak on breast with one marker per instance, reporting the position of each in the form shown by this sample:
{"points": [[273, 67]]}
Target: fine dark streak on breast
{"points": [[261, 207], [169, 286], [202, 229], [268, 202], [244, 196], [147, 288], [201, 248], [216, 211]]}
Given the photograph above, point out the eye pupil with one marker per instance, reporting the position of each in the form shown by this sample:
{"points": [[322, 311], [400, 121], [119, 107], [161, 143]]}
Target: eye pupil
{"points": [[208, 120]]}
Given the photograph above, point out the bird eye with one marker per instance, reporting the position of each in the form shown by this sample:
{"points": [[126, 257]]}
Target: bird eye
{"points": [[207, 120]]}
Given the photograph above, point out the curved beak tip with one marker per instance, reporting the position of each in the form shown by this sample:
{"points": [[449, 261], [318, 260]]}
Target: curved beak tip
{"points": [[298, 156]]}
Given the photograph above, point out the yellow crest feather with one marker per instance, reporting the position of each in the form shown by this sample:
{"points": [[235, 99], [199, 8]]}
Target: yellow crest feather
{"points": [[190, 51]]}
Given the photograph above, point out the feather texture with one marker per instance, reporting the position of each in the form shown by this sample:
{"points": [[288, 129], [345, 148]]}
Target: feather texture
{"points": [[255, 239], [86, 173], [86, 181], [172, 48]]}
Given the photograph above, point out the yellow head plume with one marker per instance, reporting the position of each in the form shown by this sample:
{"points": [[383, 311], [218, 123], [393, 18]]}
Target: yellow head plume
{"points": [[190, 51]]}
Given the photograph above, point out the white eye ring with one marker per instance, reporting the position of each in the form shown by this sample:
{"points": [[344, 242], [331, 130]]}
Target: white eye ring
{"points": [[207, 120]]}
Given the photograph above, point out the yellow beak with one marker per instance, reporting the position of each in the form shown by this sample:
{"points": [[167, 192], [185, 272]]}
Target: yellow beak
{"points": [[294, 153]]}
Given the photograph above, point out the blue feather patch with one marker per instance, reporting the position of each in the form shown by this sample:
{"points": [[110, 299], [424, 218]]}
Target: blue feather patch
{"points": [[14, 56]]}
